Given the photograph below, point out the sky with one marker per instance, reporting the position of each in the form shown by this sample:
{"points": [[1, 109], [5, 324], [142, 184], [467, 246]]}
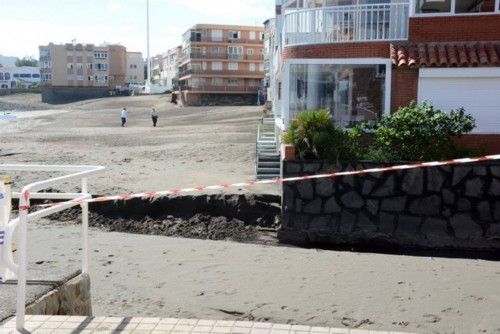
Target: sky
{"points": [[26, 24]]}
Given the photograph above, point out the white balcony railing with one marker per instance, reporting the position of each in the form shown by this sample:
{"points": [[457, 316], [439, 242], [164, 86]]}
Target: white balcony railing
{"points": [[356, 23]]}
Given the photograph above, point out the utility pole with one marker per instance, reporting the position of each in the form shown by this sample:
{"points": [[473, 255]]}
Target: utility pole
{"points": [[148, 83]]}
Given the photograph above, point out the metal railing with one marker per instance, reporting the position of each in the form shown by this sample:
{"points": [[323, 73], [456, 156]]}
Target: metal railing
{"points": [[29, 192], [222, 56], [239, 73], [355, 23], [225, 40], [234, 89]]}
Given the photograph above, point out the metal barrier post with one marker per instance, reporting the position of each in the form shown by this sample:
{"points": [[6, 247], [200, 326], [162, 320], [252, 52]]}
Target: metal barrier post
{"points": [[24, 203], [85, 229]]}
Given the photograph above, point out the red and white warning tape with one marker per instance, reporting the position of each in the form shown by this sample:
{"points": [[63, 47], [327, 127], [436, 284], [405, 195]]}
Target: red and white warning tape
{"points": [[158, 194]]}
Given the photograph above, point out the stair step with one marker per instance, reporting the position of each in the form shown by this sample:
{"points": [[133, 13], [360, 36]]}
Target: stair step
{"points": [[269, 164], [264, 170]]}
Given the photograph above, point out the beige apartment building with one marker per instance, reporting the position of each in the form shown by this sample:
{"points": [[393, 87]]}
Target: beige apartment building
{"points": [[135, 68], [221, 64], [80, 71]]}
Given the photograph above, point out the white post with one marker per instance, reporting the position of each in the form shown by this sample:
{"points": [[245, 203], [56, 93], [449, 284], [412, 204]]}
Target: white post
{"points": [[149, 59], [24, 202], [85, 229]]}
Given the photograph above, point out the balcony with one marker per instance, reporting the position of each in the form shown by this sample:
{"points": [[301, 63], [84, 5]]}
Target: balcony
{"points": [[222, 73], [341, 24], [225, 40], [222, 56], [222, 89]]}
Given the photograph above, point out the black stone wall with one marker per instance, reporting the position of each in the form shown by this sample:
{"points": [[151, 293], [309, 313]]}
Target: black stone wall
{"points": [[60, 95], [448, 207]]}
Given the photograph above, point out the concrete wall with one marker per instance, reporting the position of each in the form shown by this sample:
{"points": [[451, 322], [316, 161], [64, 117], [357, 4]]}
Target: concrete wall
{"points": [[197, 99], [454, 207], [72, 298], [59, 95]]}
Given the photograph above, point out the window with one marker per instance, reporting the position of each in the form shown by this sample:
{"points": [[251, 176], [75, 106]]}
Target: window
{"points": [[79, 66], [36, 76], [252, 35], [234, 35], [253, 83], [453, 6], [250, 52], [46, 77], [7, 76], [251, 67], [232, 82], [16, 75], [100, 54], [261, 67], [70, 66], [44, 52], [90, 78], [235, 52], [217, 82], [101, 67], [217, 66], [232, 66], [70, 53], [1, 76], [89, 66], [217, 35], [215, 50], [79, 77], [25, 75], [70, 77]]}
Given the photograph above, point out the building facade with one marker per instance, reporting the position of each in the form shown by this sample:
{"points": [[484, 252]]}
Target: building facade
{"points": [[360, 59], [170, 73], [12, 77], [221, 64], [135, 68]]}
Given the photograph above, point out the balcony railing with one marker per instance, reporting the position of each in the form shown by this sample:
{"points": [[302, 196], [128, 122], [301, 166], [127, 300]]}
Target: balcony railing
{"points": [[229, 89], [222, 56], [225, 40], [226, 73], [356, 23]]}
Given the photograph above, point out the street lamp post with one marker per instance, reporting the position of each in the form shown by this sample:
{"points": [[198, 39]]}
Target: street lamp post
{"points": [[148, 83]]}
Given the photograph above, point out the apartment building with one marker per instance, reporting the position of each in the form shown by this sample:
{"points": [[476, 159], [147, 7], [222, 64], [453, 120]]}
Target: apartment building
{"points": [[170, 73], [135, 68], [360, 59], [80, 71], [157, 68], [221, 64]]}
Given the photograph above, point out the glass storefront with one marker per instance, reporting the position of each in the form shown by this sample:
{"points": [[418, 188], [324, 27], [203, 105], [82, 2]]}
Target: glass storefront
{"points": [[351, 93]]}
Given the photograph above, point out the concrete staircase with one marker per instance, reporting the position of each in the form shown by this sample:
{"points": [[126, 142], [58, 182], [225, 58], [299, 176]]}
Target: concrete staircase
{"points": [[268, 155]]}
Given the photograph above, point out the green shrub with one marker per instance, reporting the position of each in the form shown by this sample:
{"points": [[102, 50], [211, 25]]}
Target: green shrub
{"points": [[420, 132], [315, 136]]}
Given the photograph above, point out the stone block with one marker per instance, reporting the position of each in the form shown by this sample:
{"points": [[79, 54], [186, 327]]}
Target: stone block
{"points": [[325, 187], [288, 201], [305, 189], [365, 224], [430, 205], [413, 182], [474, 187], [311, 167], [292, 167], [352, 200], [349, 179], [395, 204], [299, 205], [435, 229], [479, 170], [386, 223], [347, 222], [300, 222], [408, 225], [368, 186], [495, 187], [331, 206], [459, 173], [496, 213], [386, 189], [463, 205], [323, 223], [435, 179], [494, 232], [287, 220], [448, 197], [313, 207], [483, 209], [372, 206], [465, 228], [495, 170]]}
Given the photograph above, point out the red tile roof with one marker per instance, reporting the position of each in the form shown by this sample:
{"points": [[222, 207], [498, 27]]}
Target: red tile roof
{"points": [[457, 54]]}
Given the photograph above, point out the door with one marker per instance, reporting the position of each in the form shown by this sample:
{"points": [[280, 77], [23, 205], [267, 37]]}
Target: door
{"points": [[477, 90]]}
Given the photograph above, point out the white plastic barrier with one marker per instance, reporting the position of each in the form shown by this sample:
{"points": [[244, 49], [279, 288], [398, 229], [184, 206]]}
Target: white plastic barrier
{"points": [[5, 208]]}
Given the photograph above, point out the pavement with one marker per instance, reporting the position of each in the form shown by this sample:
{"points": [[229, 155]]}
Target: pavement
{"points": [[75, 325]]}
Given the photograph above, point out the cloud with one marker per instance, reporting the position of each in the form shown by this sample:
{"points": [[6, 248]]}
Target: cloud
{"points": [[113, 6]]}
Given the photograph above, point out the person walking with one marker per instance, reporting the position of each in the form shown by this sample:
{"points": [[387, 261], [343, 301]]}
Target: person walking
{"points": [[154, 116], [124, 115]]}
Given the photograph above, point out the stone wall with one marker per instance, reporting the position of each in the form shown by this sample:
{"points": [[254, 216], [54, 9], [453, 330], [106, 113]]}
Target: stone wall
{"points": [[72, 298], [449, 207], [61, 95]]}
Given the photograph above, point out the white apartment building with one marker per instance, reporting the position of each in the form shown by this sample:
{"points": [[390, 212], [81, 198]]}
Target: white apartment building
{"points": [[17, 77], [170, 73], [135, 68]]}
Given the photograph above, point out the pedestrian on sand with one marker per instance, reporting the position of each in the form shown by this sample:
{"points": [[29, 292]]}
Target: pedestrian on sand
{"points": [[154, 116], [124, 115]]}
